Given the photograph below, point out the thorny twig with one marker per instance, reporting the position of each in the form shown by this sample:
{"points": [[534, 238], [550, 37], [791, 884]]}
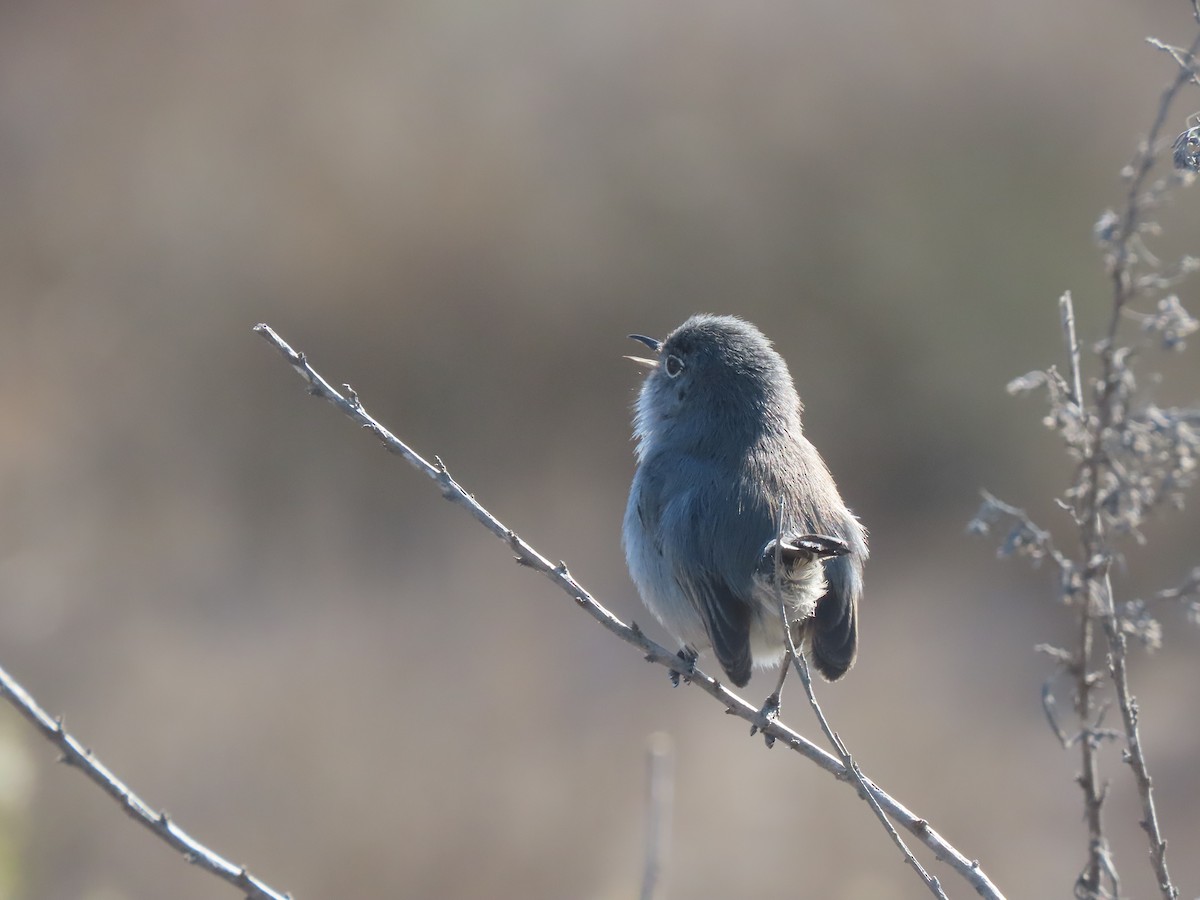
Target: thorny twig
{"points": [[1129, 462], [795, 657], [1098, 602], [158, 823], [558, 573]]}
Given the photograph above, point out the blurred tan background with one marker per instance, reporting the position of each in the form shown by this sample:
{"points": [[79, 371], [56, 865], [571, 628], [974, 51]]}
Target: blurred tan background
{"points": [[287, 639]]}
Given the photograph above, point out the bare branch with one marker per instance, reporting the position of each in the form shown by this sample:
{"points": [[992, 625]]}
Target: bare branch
{"points": [[1135, 755], [1130, 220], [158, 823], [734, 705], [1025, 537], [1133, 456], [1184, 58], [1188, 589], [1099, 599], [1067, 312], [795, 658], [1099, 859], [1050, 708]]}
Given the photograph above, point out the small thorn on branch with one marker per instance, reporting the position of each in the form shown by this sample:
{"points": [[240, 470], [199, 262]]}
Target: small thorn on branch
{"points": [[374, 428], [520, 554]]}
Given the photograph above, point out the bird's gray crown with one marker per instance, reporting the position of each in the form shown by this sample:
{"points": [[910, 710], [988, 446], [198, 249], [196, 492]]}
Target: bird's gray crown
{"points": [[716, 372]]}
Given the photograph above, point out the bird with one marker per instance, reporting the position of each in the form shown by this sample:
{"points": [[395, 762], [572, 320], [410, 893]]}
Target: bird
{"points": [[732, 512]]}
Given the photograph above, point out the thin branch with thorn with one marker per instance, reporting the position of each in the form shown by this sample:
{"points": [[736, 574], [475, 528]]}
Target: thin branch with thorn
{"points": [[1050, 708], [1098, 606], [970, 870], [158, 823], [1067, 314], [795, 657], [1128, 455]]}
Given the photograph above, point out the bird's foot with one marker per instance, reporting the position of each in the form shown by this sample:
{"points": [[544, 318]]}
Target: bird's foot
{"points": [[688, 655], [768, 714]]}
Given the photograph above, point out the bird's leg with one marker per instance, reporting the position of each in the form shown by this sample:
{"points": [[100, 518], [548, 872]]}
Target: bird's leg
{"points": [[689, 656], [770, 708]]}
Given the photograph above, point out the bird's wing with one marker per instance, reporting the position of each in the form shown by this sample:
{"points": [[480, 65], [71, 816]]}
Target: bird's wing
{"points": [[706, 551], [835, 637], [726, 618]]}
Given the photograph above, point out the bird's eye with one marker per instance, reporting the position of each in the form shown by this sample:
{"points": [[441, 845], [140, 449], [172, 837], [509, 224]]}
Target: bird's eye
{"points": [[673, 366]]}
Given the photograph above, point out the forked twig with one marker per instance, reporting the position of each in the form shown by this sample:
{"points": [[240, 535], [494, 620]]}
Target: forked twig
{"points": [[795, 657], [558, 573], [1098, 606]]}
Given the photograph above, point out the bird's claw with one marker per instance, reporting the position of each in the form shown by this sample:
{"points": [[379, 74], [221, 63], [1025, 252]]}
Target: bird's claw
{"points": [[688, 655], [768, 714]]}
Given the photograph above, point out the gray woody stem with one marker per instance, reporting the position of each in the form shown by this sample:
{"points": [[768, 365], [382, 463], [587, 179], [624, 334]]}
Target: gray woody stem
{"points": [[557, 573], [795, 656], [1097, 605], [75, 754]]}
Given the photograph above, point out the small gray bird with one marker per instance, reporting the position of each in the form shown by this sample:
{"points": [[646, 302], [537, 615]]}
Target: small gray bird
{"points": [[719, 446]]}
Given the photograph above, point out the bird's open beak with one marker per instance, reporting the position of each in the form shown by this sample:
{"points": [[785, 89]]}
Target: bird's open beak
{"points": [[649, 342]]}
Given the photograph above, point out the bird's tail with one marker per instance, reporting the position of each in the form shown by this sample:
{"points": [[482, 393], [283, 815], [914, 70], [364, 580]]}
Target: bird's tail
{"points": [[832, 633], [834, 627]]}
